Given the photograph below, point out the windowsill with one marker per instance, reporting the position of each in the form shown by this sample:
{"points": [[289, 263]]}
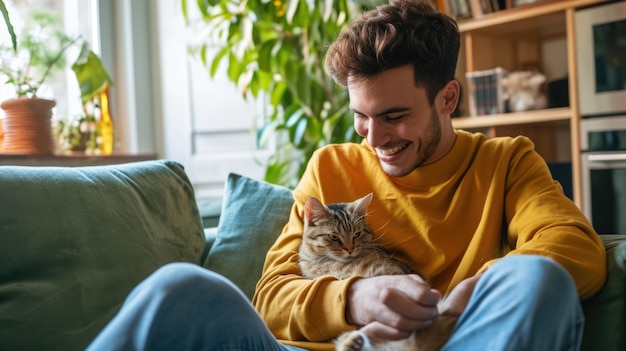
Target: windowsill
{"points": [[70, 160]]}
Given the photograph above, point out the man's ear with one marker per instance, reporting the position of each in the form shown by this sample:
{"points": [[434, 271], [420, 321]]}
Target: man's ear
{"points": [[450, 96]]}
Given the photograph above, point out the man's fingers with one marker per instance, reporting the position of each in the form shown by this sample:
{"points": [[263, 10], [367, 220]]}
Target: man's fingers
{"points": [[377, 330]]}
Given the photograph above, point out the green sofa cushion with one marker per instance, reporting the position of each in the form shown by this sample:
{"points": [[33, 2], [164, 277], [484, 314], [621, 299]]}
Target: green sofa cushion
{"points": [[605, 312], [75, 241], [253, 214]]}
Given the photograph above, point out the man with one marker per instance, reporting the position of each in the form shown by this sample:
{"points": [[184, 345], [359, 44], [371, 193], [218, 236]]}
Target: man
{"points": [[447, 202], [481, 219]]}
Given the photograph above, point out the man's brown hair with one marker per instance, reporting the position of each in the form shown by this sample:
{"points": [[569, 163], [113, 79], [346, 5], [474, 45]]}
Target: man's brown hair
{"points": [[403, 32]]}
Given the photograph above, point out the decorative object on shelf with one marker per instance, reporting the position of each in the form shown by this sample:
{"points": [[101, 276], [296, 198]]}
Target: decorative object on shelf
{"points": [[515, 3], [27, 127], [474, 9], [90, 133], [41, 52], [523, 91], [105, 130], [486, 94], [457, 9], [77, 135]]}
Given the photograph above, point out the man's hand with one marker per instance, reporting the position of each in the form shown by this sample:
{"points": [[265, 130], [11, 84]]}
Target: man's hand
{"points": [[457, 299], [391, 306]]}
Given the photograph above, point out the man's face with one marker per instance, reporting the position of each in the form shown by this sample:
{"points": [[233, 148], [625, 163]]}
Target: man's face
{"points": [[396, 119]]}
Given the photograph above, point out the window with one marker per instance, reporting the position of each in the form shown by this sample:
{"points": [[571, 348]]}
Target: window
{"points": [[80, 17]]}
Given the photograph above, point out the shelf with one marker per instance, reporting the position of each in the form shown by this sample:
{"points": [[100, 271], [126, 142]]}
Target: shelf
{"points": [[506, 18], [70, 160], [517, 118]]}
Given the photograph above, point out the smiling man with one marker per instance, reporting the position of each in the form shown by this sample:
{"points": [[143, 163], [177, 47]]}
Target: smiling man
{"points": [[480, 219]]}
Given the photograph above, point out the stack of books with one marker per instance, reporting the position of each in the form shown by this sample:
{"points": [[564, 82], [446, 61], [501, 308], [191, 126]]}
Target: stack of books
{"points": [[486, 94], [466, 9]]}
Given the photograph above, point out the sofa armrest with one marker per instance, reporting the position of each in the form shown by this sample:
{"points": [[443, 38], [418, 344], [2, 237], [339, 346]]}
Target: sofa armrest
{"points": [[605, 312]]}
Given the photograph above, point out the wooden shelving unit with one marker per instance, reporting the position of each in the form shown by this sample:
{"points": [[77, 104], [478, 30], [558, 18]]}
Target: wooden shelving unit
{"points": [[506, 119], [513, 39]]}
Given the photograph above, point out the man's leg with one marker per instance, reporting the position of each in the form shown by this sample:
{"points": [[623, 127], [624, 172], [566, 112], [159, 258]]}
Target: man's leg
{"points": [[185, 307], [521, 302]]}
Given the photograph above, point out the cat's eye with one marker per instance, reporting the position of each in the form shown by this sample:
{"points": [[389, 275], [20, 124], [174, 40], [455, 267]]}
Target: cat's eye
{"points": [[356, 235], [334, 238]]}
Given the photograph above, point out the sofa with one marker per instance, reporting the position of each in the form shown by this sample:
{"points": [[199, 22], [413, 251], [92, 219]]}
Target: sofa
{"points": [[75, 241]]}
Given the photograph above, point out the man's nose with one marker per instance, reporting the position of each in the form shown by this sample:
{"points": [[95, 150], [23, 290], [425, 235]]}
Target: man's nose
{"points": [[377, 132]]}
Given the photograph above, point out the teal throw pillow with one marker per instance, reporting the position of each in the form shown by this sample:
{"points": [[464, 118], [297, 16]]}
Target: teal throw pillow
{"points": [[253, 214]]}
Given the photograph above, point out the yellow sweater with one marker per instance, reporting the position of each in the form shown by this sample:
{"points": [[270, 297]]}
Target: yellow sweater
{"points": [[446, 219]]}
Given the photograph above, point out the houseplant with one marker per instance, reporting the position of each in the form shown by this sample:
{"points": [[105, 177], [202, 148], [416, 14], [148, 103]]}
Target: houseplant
{"points": [[41, 52], [274, 50]]}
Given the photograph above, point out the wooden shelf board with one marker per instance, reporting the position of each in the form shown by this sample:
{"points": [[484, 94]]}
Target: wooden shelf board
{"points": [[551, 9], [527, 117]]}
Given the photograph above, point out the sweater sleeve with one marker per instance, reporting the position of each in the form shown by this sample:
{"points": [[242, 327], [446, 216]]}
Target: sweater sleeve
{"points": [[543, 221], [296, 308]]}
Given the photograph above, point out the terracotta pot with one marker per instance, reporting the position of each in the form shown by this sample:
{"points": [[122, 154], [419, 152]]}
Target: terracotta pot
{"points": [[27, 126]]}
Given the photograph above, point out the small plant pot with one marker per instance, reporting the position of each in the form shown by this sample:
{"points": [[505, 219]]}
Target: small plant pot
{"points": [[27, 126]]}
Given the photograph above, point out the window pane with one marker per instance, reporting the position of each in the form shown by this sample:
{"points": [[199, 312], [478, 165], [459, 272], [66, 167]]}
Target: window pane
{"points": [[79, 18]]}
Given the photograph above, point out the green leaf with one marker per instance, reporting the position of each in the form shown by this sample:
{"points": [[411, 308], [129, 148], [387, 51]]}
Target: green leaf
{"points": [[275, 172], [292, 7], [216, 61], [303, 18], [90, 73], [234, 67], [7, 21], [294, 118], [265, 80], [266, 55], [276, 94], [299, 131], [203, 6]]}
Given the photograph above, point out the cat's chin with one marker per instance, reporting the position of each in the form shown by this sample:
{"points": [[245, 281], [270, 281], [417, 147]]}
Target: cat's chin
{"points": [[347, 259]]}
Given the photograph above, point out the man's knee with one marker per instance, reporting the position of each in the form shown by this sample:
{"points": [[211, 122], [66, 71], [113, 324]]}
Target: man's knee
{"points": [[534, 276], [180, 279]]}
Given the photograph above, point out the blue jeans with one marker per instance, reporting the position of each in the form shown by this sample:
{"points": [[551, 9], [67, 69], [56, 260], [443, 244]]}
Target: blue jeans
{"points": [[520, 303]]}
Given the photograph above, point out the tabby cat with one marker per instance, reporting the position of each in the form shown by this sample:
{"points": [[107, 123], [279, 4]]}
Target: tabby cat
{"points": [[337, 241]]}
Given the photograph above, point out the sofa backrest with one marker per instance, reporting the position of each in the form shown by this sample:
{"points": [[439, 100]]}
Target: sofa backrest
{"points": [[75, 241]]}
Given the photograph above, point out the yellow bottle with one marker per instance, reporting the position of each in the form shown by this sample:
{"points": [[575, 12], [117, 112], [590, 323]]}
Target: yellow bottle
{"points": [[105, 124]]}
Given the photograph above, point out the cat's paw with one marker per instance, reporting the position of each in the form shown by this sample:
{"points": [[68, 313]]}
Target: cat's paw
{"points": [[351, 341]]}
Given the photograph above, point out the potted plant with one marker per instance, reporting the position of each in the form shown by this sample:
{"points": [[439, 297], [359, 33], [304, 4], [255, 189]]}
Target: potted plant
{"points": [[274, 50], [41, 51]]}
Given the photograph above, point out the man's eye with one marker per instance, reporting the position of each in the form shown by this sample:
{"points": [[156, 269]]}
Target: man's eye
{"points": [[392, 118]]}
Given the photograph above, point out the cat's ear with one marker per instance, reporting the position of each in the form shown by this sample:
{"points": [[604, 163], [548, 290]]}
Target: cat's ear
{"points": [[361, 205], [314, 210]]}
